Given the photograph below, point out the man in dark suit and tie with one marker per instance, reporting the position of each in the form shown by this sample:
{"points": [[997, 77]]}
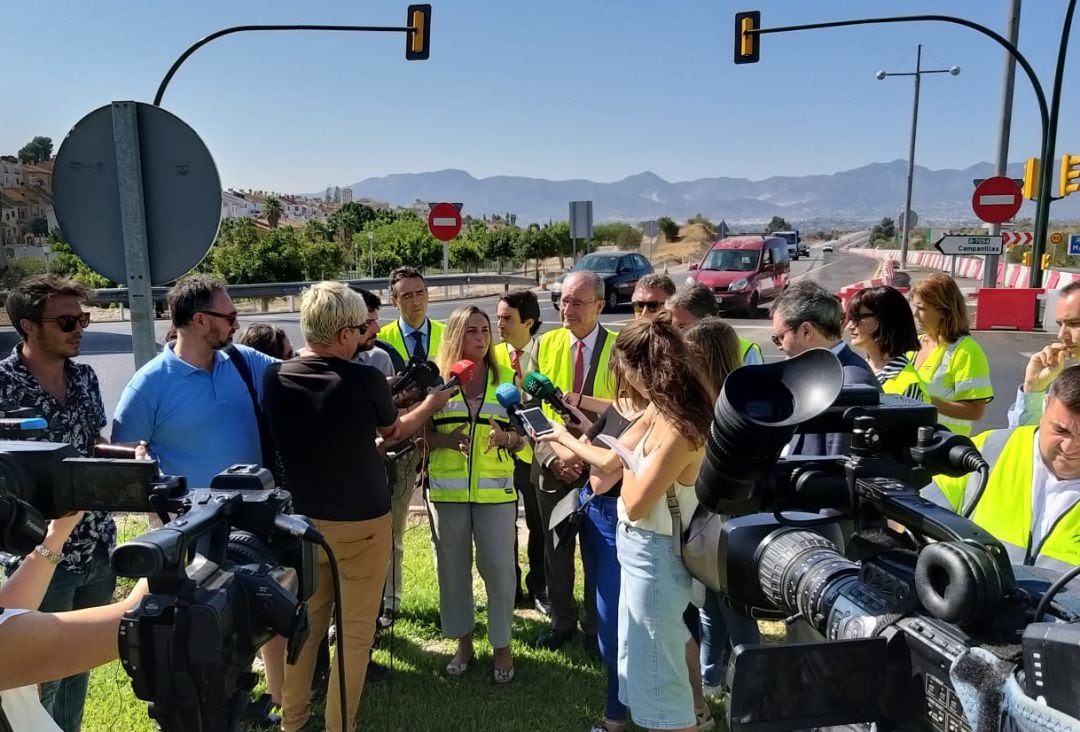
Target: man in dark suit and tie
{"points": [[809, 316]]}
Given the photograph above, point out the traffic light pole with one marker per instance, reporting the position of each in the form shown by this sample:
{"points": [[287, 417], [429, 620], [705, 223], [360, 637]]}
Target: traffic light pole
{"points": [[250, 28], [1042, 210]]}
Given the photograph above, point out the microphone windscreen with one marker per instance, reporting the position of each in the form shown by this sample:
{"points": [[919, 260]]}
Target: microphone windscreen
{"points": [[507, 395]]}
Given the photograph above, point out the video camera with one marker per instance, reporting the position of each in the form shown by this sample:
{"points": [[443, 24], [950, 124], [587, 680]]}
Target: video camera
{"points": [[899, 612], [225, 575]]}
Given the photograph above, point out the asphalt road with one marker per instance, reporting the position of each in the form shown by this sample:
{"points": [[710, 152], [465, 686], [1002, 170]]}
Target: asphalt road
{"points": [[107, 346]]}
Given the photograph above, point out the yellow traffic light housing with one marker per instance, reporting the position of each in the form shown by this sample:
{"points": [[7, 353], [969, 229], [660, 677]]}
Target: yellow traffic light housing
{"points": [[1045, 262], [1070, 175], [747, 45], [1027, 259], [418, 40], [1031, 179]]}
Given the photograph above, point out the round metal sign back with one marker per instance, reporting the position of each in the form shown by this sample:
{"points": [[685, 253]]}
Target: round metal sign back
{"points": [[181, 194]]}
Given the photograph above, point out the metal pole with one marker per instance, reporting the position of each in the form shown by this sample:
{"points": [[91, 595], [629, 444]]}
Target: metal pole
{"points": [[1042, 209], [371, 251], [990, 265], [911, 161], [133, 224], [446, 257]]}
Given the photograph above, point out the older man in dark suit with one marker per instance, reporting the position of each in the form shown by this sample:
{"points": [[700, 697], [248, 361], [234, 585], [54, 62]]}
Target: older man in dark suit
{"points": [[809, 316]]}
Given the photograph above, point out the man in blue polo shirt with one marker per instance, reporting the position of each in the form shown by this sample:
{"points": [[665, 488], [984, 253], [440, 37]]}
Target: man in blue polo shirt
{"points": [[190, 404]]}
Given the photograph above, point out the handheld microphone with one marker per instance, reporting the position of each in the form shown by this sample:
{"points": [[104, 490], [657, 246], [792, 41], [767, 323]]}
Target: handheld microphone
{"points": [[460, 373], [510, 400], [541, 387]]}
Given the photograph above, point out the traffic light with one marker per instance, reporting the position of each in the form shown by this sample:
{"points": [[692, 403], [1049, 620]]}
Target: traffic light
{"points": [[1045, 262], [1027, 259], [1070, 175], [1031, 179], [747, 48], [418, 39]]}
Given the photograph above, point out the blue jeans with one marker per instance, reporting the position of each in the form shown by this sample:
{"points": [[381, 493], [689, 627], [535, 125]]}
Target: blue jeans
{"points": [[602, 563], [64, 699], [652, 635], [721, 630]]}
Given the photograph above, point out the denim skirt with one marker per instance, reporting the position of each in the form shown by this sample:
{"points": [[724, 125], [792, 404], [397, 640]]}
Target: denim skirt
{"points": [[653, 678]]}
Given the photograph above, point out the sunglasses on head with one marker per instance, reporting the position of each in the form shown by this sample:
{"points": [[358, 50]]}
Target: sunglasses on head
{"points": [[66, 323], [650, 305]]}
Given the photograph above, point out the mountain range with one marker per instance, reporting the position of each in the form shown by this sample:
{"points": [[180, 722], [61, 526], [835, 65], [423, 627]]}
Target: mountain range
{"points": [[858, 196]]}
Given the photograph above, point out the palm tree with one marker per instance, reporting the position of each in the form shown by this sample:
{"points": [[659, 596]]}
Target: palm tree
{"points": [[272, 209]]}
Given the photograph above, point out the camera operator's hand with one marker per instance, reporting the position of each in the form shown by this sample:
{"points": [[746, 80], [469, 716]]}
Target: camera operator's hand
{"points": [[54, 645], [1045, 366]]}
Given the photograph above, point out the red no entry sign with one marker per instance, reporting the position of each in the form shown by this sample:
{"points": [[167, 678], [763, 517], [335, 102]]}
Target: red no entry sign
{"points": [[444, 221], [997, 199]]}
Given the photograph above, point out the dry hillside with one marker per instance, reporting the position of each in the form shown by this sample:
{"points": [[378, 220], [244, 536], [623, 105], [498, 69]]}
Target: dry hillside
{"points": [[691, 244]]}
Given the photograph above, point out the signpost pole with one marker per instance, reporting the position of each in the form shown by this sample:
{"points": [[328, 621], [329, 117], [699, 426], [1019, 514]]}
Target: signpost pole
{"points": [[133, 224]]}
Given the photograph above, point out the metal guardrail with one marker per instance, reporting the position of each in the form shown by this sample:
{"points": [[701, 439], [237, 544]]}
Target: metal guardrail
{"points": [[285, 289]]}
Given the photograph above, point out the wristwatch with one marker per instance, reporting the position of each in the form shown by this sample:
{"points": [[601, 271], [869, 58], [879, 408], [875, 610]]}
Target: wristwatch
{"points": [[52, 557]]}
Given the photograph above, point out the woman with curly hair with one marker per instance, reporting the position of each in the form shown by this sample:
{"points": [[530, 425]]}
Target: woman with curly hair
{"points": [[652, 359]]}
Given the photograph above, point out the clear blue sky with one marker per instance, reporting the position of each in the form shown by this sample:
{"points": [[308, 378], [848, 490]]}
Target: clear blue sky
{"points": [[596, 89]]}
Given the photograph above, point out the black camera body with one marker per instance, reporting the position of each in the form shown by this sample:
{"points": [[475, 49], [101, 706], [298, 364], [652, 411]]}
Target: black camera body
{"points": [[228, 570], [899, 611]]}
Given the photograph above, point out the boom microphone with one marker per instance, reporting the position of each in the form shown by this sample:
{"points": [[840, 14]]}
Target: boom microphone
{"points": [[541, 387], [460, 373], [510, 400]]}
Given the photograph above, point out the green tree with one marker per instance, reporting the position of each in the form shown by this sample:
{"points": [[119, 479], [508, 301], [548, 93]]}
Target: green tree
{"points": [[623, 236], [409, 242], [501, 245], [561, 243], [317, 231], [885, 230], [39, 226], [777, 224], [349, 219], [64, 261], [272, 209], [37, 150], [668, 228], [536, 244], [464, 255]]}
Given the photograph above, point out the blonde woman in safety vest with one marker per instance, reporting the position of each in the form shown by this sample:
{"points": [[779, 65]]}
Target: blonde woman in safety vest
{"points": [[880, 324], [471, 495], [952, 366], [1031, 503]]}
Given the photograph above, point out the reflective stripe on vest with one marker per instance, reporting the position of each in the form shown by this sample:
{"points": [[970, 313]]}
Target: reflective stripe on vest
{"points": [[937, 386], [485, 476], [555, 361]]}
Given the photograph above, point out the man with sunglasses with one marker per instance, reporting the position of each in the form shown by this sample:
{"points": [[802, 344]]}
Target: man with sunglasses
{"points": [[695, 302], [191, 402], [650, 294], [46, 311], [809, 316]]}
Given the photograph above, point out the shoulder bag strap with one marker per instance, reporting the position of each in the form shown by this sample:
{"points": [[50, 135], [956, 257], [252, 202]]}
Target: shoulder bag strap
{"points": [[676, 521], [238, 362]]}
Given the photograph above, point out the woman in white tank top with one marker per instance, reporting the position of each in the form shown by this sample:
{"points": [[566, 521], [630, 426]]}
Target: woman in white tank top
{"points": [[665, 448]]}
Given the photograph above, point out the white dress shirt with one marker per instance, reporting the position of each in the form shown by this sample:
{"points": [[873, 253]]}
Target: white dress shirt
{"points": [[1050, 497]]}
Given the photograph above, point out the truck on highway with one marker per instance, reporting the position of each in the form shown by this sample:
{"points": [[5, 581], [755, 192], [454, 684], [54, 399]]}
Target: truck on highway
{"points": [[795, 246]]}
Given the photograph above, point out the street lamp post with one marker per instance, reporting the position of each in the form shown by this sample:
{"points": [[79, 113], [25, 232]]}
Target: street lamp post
{"points": [[917, 73], [371, 251]]}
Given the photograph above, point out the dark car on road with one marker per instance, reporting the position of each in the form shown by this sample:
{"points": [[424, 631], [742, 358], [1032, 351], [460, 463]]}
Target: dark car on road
{"points": [[620, 272]]}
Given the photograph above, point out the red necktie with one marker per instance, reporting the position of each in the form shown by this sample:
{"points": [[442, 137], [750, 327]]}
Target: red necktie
{"points": [[579, 367], [515, 361]]}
